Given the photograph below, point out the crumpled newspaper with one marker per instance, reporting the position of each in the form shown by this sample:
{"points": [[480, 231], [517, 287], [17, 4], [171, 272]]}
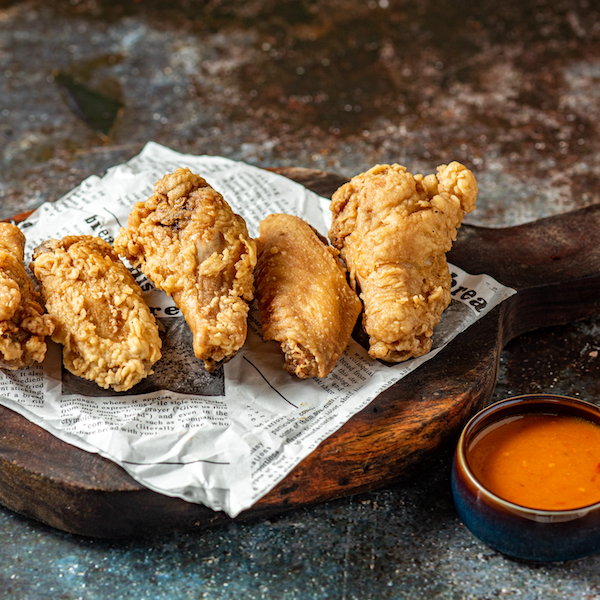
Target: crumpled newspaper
{"points": [[223, 439]]}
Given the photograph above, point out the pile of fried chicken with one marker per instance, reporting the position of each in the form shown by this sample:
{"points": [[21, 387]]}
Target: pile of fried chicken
{"points": [[386, 258]]}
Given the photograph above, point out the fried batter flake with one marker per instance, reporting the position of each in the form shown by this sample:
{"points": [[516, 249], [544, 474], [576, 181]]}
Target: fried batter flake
{"points": [[108, 333], [304, 299], [393, 231], [189, 243], [23, 324]]}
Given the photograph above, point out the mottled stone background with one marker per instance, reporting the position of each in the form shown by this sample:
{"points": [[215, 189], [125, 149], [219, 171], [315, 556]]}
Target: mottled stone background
{"points": [[511, 88]]}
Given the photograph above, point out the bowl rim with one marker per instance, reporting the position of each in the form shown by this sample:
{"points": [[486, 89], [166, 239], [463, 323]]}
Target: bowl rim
{"points": [[460, 454]]}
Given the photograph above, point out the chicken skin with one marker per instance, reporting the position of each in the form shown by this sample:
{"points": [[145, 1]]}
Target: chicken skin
{"points": [[107, 331], [189, 243], [303, 296], [393, 231], [23, 324]]}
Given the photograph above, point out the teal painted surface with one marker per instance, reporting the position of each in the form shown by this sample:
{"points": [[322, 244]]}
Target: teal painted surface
{"points": [[404, 542]]}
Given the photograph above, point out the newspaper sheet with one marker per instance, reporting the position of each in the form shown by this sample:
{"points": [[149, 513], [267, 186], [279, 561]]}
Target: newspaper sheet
{"points": [[223, 439]]}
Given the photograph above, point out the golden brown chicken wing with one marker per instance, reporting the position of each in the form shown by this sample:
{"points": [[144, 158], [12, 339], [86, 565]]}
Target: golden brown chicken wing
{"points": [[189, 242], [303, 296], [23, 324], [393, 231], [107, 330]]}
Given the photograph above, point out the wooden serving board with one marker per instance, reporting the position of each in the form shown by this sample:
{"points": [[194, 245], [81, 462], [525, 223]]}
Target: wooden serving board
{"points": [[554, 264]]}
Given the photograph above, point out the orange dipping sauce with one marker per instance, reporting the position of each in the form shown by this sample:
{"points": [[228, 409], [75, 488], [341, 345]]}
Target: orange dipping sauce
{"points": [[543, 461]]}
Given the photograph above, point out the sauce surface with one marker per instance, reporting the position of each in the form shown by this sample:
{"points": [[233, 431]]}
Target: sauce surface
{"points": [[543, 461]]}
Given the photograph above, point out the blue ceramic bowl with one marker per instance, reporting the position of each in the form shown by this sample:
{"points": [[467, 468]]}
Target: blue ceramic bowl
{"points": [[517, 531]]}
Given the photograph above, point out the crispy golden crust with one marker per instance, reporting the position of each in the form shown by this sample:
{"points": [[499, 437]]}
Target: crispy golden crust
{"points": [[393, 231], [303, 296], [189, 242], [107, 330], [23, 324]]}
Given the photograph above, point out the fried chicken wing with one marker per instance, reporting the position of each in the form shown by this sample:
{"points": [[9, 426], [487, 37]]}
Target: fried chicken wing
{"points": [[189, 242], [303, 296], [108, 333], [393, 231], [23, 324]]}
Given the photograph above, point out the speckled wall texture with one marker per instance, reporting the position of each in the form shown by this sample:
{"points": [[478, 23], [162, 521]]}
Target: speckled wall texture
{"points": [[509, 88]]}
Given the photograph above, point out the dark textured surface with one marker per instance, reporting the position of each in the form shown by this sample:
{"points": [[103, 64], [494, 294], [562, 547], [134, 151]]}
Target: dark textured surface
{"points": [[510, 88]]}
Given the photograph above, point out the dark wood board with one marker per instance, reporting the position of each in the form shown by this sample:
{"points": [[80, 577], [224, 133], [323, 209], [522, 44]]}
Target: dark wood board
{"points": [[553, 263]]}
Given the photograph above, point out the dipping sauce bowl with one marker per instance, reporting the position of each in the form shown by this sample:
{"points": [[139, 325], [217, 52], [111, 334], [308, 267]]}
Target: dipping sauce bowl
{"points": [[526, 477]]}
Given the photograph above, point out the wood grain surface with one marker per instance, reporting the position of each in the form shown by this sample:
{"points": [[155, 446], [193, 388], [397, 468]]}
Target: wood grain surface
{"points": [[555, 268]]}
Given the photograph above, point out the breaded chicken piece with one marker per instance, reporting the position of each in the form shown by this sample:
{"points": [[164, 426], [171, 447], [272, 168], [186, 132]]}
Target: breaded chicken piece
{"points": [[393, 231], [108, 333], [23, 324], [303, 296], [189, 242]]}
